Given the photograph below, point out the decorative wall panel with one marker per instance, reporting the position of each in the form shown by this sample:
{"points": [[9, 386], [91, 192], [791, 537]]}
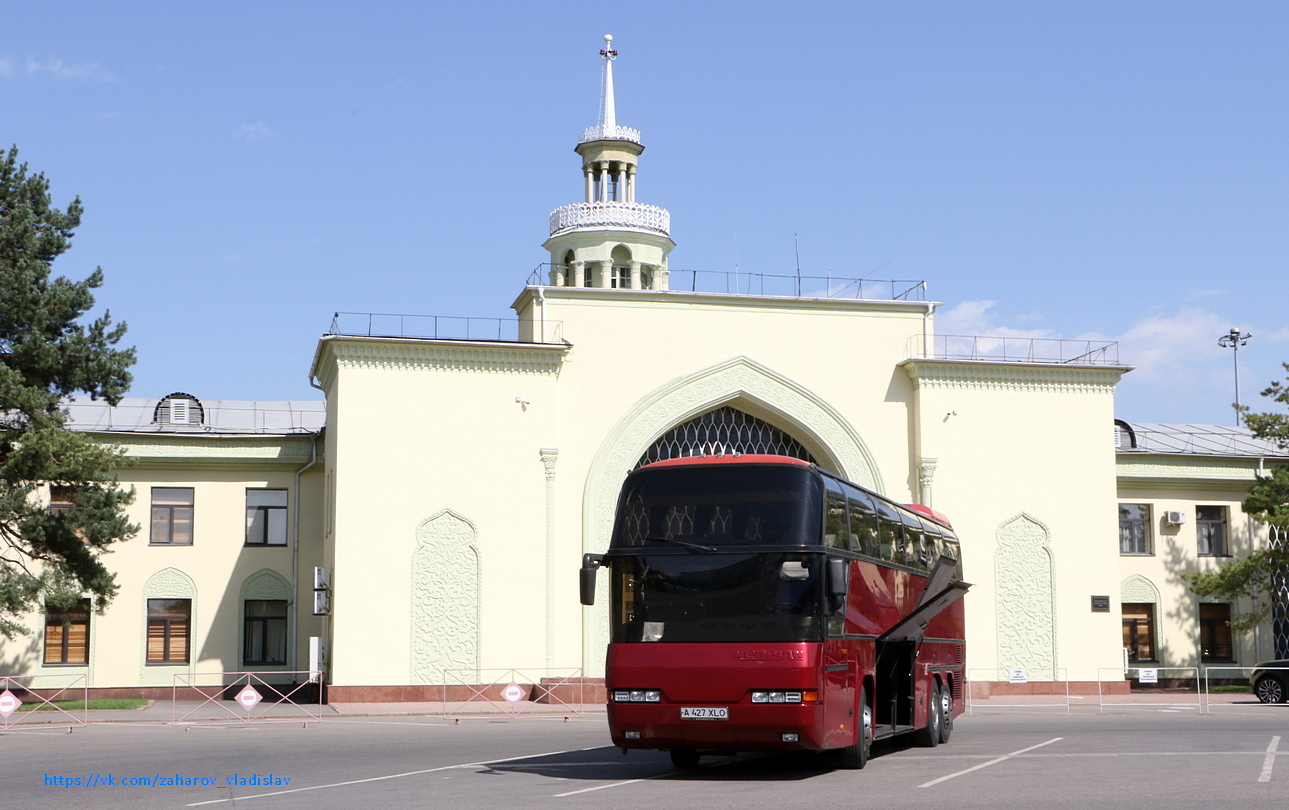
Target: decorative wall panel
{"points": [[1024, 582], [446, 597]]}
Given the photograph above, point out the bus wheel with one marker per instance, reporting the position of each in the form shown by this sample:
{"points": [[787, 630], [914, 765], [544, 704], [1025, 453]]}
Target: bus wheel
{"points": [[684, 758], [946, 713], [854, 757], [929, 736]]}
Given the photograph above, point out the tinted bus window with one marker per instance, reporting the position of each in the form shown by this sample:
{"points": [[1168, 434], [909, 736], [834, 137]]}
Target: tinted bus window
{"points": [[720, 505], [836, 528], [891, 531], [863, 525]]}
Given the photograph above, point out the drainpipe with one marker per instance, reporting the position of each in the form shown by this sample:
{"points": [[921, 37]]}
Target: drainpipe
{"points": [[295, 546]]}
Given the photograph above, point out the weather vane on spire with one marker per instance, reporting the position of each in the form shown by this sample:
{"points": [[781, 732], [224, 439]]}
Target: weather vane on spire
{"points": [[607, 51]]}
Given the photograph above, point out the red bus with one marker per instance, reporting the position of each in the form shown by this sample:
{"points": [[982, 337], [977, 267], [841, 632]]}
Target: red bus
{"points": [[761, 603]]}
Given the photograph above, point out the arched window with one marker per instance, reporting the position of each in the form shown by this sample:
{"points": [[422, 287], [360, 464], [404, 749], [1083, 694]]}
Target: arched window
{"points": [[620, 275], [569, 280], [723, 431]]}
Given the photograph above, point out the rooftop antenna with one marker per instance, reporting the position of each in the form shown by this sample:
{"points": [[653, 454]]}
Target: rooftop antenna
{"points": [[796, 244]]}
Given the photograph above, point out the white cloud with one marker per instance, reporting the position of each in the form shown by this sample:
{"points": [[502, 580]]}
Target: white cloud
{"points": [[257, 131], [975, 318], [11, 68]]}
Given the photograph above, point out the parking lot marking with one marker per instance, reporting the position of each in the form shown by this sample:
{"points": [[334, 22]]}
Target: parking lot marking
{"points": [[995, 761], [387, 776], [1270, 761]]}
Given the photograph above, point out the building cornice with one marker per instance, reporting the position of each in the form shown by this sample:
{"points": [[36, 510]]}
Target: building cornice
{"points": [[291, 451], [984, 375], [417, 354], [1185, 469], [687, 299]]}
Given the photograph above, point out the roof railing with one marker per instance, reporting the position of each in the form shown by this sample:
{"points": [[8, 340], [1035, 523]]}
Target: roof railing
{"points": [[441, 327], [1011, 349], [777, 285]]}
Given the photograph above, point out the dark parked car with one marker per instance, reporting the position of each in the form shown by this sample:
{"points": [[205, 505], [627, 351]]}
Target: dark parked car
{"points": [[1270, 681]]}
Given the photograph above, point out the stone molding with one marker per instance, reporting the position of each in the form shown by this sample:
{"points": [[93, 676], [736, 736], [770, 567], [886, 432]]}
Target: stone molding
{"points": [[1137, 588], [992, 376], [241, 448], [1192, 468], [402, 354], [738, 382], [447, 595], [1024, 583]]}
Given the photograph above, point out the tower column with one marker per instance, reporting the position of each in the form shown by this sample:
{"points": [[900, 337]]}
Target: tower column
{"points": [[589, 172], [631, 184], [604, 181], [604, 272], [635, 274], [578, 270]]}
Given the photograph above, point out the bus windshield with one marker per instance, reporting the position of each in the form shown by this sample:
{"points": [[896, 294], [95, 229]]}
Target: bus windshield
{"points": [[758, 597], [708, 507]]}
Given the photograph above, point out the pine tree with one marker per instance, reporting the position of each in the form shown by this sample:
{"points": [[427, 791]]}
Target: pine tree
{"points": [[52, 557]]}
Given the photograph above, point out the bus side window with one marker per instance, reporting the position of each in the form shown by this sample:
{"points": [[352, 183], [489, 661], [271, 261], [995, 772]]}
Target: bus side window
{"points": [[892, 540], [863, 526], [836, 530], [913, 544]]}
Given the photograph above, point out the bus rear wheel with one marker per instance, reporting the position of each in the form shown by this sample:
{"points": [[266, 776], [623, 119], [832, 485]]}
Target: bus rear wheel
{"points": [[946, 712], [854, 757], [685, 758], [929, 735]]}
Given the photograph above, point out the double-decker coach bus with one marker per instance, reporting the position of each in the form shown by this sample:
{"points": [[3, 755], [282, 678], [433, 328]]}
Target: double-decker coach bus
{"points": [[760, 603]]}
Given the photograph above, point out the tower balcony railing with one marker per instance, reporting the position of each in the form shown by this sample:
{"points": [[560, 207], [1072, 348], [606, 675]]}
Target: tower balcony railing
{"points": [[611, 215], [1015, 349], [609, 132]]}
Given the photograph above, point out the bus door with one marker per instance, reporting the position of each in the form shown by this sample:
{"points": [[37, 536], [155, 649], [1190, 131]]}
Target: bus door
{"points": [[840, 676]]}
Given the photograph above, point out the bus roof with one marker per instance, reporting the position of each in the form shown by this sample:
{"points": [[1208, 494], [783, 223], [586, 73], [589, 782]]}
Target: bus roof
{"points": [[732, 458]]}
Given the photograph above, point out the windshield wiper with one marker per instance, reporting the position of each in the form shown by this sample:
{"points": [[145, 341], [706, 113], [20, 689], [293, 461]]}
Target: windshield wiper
{"points": [[681, 543]]}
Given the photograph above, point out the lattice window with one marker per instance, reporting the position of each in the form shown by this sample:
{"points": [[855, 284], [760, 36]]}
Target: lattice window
{"points": [[723, 431]]}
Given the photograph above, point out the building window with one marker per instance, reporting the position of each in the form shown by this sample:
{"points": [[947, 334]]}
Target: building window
{"points": [[620, 278], [168, 628], [266, 517], [1134, 528], [265, 636], [60, 499], [1215, 632], [171, 516], [67, 635], [1139, 630], [1210, 531]]}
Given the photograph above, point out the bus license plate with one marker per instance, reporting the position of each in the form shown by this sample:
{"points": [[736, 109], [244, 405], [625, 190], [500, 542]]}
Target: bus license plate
{"points": [[704, 713]]}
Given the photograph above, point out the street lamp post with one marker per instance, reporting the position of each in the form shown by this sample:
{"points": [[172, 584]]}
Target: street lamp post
{"points": [[1234, 340]]}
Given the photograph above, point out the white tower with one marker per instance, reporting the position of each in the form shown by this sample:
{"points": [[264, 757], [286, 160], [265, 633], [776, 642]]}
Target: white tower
{"points": [[610, 240]]}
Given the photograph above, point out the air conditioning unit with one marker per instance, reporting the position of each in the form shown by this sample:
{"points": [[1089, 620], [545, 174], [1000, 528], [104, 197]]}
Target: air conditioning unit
{"points": [[1175, 518]]}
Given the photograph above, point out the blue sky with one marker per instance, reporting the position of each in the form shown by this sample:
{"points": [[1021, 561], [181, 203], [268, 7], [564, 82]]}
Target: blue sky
{"points": [[1079, 169]]}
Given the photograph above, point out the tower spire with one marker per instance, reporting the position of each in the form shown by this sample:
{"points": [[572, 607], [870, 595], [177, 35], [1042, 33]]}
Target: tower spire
{"points": [[608, 114]]}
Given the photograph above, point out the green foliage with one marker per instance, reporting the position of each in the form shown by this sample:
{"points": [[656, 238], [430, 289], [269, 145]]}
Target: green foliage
{"points": [[1256, 576], [45, 356]]}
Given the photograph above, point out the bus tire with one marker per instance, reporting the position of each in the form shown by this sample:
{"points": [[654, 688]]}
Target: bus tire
{"points": [[946, 712], [854, 757], [685, 758], [929, 735]]}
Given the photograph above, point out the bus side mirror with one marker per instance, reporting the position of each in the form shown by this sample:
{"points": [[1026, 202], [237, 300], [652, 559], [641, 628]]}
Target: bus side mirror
{"points": [[838, 583], [590, 562]]}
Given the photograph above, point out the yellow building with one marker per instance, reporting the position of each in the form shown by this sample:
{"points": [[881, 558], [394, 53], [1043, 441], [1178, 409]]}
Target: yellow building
{"points": [[450, 483]]}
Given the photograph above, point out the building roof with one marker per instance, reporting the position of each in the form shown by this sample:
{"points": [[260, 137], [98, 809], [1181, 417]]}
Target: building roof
{"points": [[1152, 438], [219, 416]]}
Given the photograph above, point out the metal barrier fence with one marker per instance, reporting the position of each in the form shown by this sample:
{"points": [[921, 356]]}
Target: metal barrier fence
{"points": [[1245, 673], [23, 691], [257, 700], [1058, 676], [514, 692], [1149, 673]]}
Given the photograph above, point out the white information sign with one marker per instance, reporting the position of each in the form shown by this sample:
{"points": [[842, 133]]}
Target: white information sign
{"points": [[1018, 675], [1148, 675], [9, 704], [513, 693], [248, 697]]}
